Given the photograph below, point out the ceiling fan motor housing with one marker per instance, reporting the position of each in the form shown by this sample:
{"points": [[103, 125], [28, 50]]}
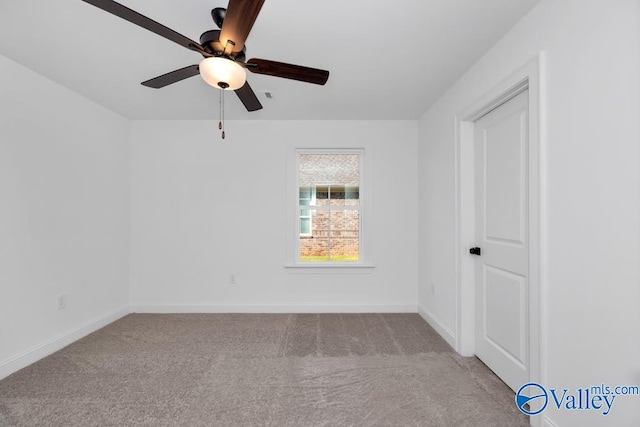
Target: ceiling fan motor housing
{"points": [[218, 15]]}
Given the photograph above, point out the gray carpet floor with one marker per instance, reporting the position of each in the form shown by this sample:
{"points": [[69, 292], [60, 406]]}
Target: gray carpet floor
{"points": [[259, 370]]}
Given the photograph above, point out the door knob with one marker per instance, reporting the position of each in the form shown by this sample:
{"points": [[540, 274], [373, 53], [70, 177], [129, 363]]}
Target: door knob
{"points": [[475, 251]]}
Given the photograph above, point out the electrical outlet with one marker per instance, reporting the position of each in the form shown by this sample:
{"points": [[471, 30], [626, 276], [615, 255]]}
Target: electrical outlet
{"points": [[232, 279], [62, 302]]}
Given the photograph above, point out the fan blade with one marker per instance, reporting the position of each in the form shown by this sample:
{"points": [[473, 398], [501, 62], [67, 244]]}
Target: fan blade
{"points": [[288, 71], [172, 77], [248, 97], [238, 21], [147, 23]]}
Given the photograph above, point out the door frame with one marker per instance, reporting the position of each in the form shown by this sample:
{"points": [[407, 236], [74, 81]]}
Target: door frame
{"points": [[528, 78]]}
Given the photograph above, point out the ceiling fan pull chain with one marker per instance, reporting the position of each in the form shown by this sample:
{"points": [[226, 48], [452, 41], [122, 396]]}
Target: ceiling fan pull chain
{"points": [[222, 114], [220, 111]]}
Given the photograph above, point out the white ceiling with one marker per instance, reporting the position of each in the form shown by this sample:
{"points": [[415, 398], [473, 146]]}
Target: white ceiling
{"points": [[387, 60]]}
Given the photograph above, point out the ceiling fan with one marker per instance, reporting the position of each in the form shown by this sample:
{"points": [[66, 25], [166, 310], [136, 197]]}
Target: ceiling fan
{"points": [[224, 51]]}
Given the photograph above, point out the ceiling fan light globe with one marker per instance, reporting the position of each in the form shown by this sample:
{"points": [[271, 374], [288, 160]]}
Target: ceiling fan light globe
{"points": [[222, 73]]}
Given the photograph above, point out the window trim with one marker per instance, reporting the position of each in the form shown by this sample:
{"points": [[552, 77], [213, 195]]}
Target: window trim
{"points": [[293, 215]]}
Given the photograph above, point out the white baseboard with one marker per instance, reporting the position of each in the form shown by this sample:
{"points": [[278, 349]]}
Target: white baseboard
{"points": [[273, 308], [546, 422], [24, 359], [448, 335]]}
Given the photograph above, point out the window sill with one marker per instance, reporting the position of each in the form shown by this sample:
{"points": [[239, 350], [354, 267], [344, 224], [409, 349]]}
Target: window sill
{"points": [[346, 268]]}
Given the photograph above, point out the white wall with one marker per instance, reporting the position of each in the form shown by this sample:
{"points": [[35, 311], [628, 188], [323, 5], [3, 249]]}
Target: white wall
{"points": [[63, 215], [591, 249], [203, 208]]}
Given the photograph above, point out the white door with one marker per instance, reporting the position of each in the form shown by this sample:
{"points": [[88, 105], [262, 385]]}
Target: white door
{"points": [[501, 270]]}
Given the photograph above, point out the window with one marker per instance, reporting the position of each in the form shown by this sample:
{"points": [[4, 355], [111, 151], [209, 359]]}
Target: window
{"points": [[329, 208]]}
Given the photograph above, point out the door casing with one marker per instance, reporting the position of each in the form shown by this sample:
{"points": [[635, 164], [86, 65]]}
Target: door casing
{"points": [[528, 78]]}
